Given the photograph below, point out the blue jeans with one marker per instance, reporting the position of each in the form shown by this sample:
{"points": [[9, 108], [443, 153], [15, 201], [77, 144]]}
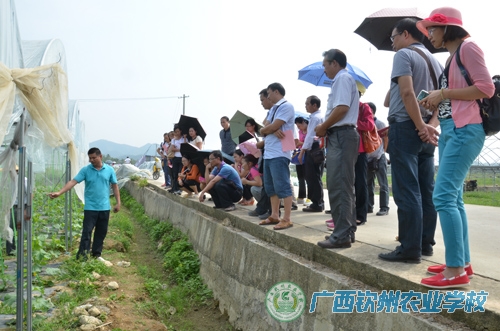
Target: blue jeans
{"points": [[277, 177], [458, 148], [412, 164], [166, 171]]}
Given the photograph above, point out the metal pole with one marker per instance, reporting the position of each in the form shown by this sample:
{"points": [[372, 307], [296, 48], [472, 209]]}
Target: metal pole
{"points": [[29, 261], [66, 201], [70, 208], [20, 233], [184, 103]]}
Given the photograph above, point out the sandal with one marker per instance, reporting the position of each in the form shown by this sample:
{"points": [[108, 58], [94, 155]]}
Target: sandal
{"points": [[282, 225], [269, 221]]}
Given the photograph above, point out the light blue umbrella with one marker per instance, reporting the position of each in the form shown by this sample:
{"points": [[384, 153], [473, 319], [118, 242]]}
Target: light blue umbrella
{"points": [[303, 115], [315, 74]]}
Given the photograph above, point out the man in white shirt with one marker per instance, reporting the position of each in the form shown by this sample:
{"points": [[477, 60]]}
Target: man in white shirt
{"points": [[278, 133], [342, 151], [311, 146]]}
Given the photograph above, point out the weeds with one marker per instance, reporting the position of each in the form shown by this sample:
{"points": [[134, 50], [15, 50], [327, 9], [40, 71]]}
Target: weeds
{"points": [[143, 182], [177, 285], [180, 261]]}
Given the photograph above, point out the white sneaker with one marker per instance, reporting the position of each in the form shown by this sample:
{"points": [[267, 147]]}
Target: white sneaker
{"points": [[106, 262], [300, 201], [307, 202]]}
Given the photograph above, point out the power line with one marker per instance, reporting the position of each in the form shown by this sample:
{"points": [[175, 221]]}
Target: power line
{"points": [[126, 99]]}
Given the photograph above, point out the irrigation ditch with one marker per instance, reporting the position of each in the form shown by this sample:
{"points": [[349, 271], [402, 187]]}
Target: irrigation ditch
{"points": [[153, 265]]}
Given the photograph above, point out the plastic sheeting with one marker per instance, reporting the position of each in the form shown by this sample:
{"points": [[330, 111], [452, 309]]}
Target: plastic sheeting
{"points": [[8, 184], [32, 75], [10, 40], [125, 171], [39, 52], [43, 90]]}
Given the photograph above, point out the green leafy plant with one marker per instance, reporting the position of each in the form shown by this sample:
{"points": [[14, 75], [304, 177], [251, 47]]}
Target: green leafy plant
{"points": [[180, 260]]}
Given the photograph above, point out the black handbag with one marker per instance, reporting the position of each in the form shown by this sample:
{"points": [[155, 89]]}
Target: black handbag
{"points": [[489, 108], [318, 155]]}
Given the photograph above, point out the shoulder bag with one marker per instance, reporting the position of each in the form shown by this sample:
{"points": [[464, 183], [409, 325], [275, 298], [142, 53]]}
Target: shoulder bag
{"points": [[371, 139], [489, 108]]}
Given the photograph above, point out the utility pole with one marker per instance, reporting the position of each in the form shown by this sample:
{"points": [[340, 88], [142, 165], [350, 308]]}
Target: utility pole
{"points": [[184, 103]]}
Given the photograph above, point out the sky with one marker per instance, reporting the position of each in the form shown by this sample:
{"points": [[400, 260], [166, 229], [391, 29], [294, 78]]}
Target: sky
{"points": [[220, 53]]}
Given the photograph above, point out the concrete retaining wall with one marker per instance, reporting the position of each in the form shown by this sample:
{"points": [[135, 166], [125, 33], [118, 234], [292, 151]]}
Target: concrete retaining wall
{"points": [[240, 268]]}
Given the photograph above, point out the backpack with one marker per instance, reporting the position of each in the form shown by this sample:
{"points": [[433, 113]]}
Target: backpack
{"points": [[489, 108]]}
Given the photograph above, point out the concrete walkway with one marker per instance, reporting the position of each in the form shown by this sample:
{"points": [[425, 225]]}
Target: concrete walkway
{"points": [[379, 235]]}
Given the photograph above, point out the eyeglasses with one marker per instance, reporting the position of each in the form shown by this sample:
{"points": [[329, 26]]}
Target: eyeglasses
{"points": [[431, 30], [395, 35], [211, 158]]}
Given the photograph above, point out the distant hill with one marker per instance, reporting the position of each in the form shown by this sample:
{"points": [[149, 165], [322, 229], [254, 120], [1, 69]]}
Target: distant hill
{"points": [[121, 151]]}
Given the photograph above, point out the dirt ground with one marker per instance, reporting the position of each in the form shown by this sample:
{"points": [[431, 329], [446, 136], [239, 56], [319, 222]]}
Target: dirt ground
{"points": [[125, 312]]}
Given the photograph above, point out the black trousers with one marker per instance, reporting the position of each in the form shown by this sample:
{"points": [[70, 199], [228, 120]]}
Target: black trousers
{"points": [[187, 183], [314, 174], [11, 246], [361, 187], [247, 194], [176, 168], [225, 193], [96, 221], [301, 176]]}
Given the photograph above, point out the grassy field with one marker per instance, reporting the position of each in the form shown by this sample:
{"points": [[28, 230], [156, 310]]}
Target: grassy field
{"points": [[480, 197]]}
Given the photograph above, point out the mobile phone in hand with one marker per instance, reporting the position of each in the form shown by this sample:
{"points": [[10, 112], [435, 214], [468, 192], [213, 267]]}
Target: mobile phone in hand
{"points": [[423, 94]]}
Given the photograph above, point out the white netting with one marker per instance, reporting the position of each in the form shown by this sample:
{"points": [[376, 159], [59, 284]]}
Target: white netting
{"points": [[43, 90]]}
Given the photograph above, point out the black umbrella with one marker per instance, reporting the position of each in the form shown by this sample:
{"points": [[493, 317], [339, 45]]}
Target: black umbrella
{"points": [[204, 153], [187, 148], [377, 27], [197, 156], [186, 122], [192, 152], [245, 136]]}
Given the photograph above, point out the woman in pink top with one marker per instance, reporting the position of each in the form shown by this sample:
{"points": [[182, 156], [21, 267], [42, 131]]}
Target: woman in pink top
{"points": [[242, 172], [365, 123], [251, 180], [461, 140]]}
